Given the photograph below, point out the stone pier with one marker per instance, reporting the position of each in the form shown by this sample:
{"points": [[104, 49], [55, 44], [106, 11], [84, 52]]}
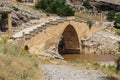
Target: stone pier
{"points": [[10, 23], [3, 9]]}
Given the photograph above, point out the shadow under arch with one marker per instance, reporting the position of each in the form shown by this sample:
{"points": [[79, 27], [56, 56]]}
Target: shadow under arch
{"points": [[69, 42]]}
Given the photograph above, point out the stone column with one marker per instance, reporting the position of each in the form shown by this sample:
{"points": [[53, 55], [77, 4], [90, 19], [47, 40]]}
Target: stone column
{"points": [[10, 24]]}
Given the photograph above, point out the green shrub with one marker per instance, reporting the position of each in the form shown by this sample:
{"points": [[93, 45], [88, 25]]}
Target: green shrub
{"points": [[117, 21], [118, 65], [118, 31], [111, 15], [55, 6], [10, 49], [15, 9], [86, 3], [4, 15], [118, 46], [96, 65], [112, 68], [5, 38], [1, 5]]}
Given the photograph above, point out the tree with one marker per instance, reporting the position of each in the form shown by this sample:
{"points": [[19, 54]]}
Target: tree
{"points": [[68, 11], [113, 16], [55, 6], [42, 4], [4, 15], [86, 3]]}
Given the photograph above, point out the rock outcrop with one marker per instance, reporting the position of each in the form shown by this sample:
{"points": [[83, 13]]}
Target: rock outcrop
{"points": [[117, 2], [20, 13], [106, 5], [107, 42]]}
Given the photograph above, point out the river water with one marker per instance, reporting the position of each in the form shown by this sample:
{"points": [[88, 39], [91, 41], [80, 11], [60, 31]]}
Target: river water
{"points": [[90, 57]]}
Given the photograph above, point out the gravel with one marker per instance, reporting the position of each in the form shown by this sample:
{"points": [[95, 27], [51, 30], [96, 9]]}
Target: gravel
{"points": [[60, 72]]}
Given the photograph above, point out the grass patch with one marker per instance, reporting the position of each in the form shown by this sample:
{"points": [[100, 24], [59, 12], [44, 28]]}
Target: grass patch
{"points": [[74, 61], [109, 70], [18, 68], [118, 31], [1, 5], [96, 65], [15, 65]]}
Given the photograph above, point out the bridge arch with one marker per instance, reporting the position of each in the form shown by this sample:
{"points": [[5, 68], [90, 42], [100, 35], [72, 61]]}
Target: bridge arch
{"points": [[69, 42], [51, 36]]}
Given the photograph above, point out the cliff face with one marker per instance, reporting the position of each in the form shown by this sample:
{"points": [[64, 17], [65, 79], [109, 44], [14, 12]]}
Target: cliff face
{"points": [[116, 2], [21, 14], [103, 5], [106, 5]]}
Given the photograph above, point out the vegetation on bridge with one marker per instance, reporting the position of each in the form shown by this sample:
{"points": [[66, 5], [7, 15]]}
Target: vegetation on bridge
{"points": [[55, 6]]}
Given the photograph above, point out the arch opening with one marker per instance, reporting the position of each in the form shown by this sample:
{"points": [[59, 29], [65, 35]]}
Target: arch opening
{"points": [[69, 42]]}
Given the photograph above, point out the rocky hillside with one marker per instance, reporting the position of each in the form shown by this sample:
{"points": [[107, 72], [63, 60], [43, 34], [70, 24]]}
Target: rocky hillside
{"points": [[110, 1], [106, 41], [106, 5], [21, 14], [24, 15]]}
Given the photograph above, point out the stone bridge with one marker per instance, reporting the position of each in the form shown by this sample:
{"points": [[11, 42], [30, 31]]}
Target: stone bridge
{"points": [[68, 35]]}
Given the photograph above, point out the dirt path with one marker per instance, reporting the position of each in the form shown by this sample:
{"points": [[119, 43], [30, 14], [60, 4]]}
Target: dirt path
{"points": [[60, 72]]}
